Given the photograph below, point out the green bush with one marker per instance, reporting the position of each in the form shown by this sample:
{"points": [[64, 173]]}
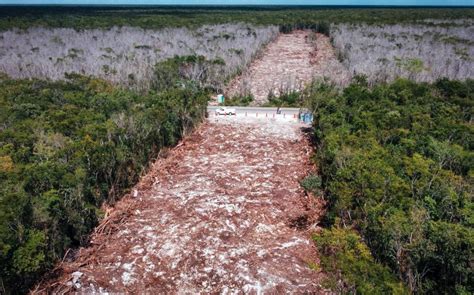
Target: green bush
{"points": [[350, 266], [312, 183], [290, 99], [243, 100]]}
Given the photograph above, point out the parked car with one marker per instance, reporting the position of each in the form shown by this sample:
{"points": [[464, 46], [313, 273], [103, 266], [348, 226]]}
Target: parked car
{"points": [[225, 111]]}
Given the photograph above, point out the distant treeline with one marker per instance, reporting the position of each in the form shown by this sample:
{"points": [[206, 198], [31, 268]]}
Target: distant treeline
{"points": [[156, 18]]}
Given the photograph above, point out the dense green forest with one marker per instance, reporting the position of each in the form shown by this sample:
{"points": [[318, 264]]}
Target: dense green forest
{"points": [[65, 148], [396, 167], [162, 17]]}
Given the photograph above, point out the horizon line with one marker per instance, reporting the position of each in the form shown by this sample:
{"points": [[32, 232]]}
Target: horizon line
{"points": [[236, 5]]}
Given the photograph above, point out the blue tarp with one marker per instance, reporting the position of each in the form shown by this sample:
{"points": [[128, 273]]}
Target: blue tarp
{"points": [[306, 117]]}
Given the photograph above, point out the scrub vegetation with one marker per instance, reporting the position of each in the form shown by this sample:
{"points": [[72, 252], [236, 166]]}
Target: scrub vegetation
{"points": [[127, 56], [396, 166], [418, 52]]}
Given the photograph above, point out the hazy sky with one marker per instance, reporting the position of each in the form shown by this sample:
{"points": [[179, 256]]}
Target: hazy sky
{"points": [[236, 2]]}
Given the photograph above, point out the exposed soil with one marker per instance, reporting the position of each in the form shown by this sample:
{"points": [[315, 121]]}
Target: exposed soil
{"points": [[289, 63], [222, 213]]}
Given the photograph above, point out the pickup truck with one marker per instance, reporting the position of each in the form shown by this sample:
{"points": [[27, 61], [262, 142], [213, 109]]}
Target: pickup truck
{"points": [[225, 111]]}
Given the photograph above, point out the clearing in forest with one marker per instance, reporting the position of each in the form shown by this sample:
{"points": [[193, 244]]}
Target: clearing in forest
{"points": [[222, 212], [288, 64]]}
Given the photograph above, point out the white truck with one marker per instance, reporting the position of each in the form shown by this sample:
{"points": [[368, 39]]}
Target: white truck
{"points": [[225, 111]]}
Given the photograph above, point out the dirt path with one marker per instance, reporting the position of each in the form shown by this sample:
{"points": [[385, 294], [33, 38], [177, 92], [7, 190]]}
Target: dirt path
{"points": [[289, 63], [222, 213]]}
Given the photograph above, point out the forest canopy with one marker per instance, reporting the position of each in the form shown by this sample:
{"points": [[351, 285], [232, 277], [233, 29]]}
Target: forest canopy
{"points": [[396, 165]]}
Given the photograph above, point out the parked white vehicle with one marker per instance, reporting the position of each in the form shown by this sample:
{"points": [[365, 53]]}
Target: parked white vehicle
{"points": [[225, 111]]}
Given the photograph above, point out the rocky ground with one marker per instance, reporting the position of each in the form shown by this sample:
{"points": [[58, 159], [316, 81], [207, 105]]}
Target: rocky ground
{"points": [[222, 213], [289, 63]]}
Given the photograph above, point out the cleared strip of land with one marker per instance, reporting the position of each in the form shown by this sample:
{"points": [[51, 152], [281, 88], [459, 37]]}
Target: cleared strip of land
{"points": [[288, 64], [223, 212]]}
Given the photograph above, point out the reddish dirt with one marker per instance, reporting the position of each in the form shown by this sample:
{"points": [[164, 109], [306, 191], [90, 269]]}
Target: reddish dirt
{"points": [[289, 63], [222, 213]]}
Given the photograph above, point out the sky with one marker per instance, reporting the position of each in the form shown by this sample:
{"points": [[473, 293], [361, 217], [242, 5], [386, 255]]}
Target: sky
{"points": [[248, 2]]}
